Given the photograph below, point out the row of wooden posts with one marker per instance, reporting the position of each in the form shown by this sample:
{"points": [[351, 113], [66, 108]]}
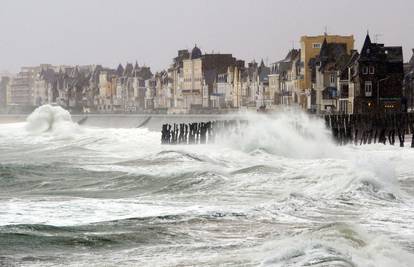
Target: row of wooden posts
{"points": [[358, 129], [374, 128], [197, 132]]}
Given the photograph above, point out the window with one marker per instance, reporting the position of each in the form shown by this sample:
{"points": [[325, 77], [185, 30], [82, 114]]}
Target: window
{"points": [[317, 45], [332, 79], [365, 70], [371, 70], [368, 89]]}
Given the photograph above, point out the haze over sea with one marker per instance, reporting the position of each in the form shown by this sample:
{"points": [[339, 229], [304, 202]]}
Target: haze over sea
{"points": [[280, 193]]}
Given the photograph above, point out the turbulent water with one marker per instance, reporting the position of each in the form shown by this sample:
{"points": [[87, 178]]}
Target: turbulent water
{"points": [[279, 193]]}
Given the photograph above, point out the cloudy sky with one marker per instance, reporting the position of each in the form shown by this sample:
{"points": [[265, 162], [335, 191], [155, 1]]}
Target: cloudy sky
{"points": [[151, 31]]}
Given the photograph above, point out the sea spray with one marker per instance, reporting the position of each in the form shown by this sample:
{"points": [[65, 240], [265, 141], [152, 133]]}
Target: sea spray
{"points": [[49, 118], [288, 134], [278, 193]]}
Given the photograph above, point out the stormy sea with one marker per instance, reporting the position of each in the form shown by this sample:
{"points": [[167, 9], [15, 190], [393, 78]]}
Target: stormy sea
{"points": [[278, 193]]}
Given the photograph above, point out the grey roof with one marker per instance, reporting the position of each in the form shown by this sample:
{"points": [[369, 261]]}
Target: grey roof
{"points": [[196, 53]]}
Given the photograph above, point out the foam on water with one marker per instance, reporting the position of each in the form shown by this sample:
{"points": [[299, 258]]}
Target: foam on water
{"points": [[336, 244], [290, 134], [278, 193]]}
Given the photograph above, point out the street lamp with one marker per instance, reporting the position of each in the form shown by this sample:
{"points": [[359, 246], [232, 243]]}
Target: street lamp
{"points": [[378, 84]]}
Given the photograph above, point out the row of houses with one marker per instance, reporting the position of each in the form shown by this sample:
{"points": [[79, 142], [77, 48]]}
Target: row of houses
{"points": [[328, 76], [325, 75]]}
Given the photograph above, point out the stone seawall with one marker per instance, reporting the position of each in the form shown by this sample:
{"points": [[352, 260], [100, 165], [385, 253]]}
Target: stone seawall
{"points": [[152, 122]]}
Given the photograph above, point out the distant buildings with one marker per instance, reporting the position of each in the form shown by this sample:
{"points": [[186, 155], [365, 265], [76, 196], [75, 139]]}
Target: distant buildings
{"points": [[324, 76], [4, 82]]}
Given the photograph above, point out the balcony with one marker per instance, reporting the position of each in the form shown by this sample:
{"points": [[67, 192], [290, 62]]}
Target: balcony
{"points": [[329, 93]]}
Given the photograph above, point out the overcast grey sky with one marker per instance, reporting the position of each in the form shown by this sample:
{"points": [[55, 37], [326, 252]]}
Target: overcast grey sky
{"points": [[151, 31]]}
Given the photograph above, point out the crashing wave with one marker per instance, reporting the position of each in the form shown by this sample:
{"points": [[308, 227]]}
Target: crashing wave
{"points": [[286, 134], [49, 118]]}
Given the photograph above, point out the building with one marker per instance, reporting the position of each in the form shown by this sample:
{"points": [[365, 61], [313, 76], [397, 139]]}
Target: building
{"points": [[237, 78], [230, 87], [325, 69], [310, 48], [107, 91], [409, 82], [375, 78], [200, 73], [176, 74], [259, 85], [77, 87], [282, 78], [163, 96], [20, 95], [4, 83], [150, 87], [124, 89], [346, 95]]}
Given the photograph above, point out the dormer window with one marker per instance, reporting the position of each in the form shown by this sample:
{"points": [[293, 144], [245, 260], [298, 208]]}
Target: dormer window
{"points": [[368, 50], [365, 70], [371, 70]]}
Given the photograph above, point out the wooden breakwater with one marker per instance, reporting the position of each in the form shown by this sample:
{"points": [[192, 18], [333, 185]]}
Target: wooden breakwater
{"points": [[362, 129], [358, 129], [198, 132]]}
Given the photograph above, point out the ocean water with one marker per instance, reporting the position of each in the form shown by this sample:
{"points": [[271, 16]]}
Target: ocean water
{"points": [[277, 193]]}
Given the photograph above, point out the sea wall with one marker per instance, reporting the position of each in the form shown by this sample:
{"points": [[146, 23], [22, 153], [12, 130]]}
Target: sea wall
{"points": [[153, 122]]}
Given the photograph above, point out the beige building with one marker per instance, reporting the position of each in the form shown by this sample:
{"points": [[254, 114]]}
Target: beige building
{"points": [[107, 91], [192, 91], [284, 78], [176, 81], [21, 88], [310, 48], [239, 87], [200, 75], [274, 88]]}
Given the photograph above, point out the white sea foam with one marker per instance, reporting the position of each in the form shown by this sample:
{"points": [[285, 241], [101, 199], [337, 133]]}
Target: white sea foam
{"points": [[288, 134], [49, 118], [281, 182], [336, 244]]}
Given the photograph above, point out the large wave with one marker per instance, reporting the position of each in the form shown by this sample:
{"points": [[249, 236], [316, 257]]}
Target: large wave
{"points": [[49, 118], [289, 134]]}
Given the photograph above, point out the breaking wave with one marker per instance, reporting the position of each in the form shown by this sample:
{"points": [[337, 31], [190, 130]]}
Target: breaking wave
{"points": [[49, 118], [294, 135], [279, 192], [336, 244]]}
